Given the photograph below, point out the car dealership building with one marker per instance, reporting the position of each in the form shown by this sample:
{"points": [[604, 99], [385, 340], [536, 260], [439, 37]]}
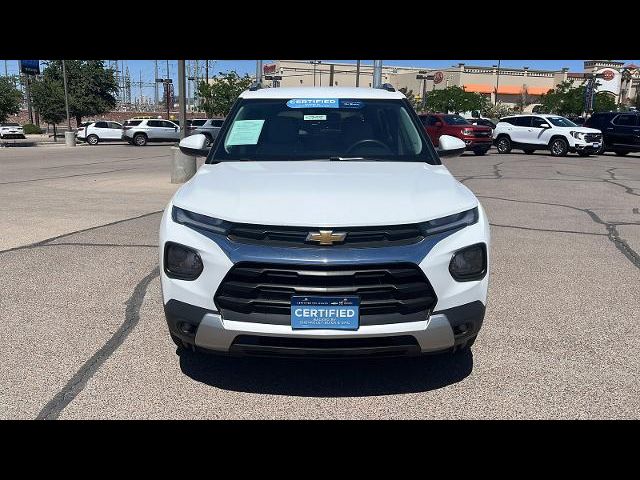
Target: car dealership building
{"points": [[506, 85]]}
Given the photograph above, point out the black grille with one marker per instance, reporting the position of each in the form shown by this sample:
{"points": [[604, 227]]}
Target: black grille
{"points": [[261, 293], [325, 347], [592, 137], [297, 236], [482, 133]]}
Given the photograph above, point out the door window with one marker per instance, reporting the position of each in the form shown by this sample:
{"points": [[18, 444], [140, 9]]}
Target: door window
{"points": [[538, 122], [101, 125], [625, 120], [522, 121]]}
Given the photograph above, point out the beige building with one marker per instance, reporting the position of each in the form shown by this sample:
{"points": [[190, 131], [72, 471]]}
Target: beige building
{"points": [[507, 85]]}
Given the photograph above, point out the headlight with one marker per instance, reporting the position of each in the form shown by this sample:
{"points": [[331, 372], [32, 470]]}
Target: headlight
{"points": [[451, 222], [467, 131], [181, 262], [578, 135], [201, 222], [469, 264]]}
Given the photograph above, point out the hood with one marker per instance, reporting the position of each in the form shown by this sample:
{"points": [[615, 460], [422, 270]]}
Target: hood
{"points": [[581, 129], [324, 193]]}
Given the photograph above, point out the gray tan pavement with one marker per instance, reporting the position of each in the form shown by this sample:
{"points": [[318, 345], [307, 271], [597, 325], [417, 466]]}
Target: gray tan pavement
{"points": [[84, 335]]}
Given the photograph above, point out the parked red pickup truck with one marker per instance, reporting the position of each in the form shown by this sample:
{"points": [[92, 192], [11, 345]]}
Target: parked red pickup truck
{"points": [[477, 137]]}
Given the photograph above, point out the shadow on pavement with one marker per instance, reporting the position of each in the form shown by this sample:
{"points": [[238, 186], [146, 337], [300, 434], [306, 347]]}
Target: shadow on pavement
{"points": [[327, 378]]}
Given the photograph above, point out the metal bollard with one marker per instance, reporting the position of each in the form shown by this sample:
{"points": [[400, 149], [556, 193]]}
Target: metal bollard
{"points": [[70, 139], [183, 167]]}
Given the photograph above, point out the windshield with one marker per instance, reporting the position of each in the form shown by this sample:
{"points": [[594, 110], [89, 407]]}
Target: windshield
{"points": [[561, 122], [455, 120], [299, 129]]}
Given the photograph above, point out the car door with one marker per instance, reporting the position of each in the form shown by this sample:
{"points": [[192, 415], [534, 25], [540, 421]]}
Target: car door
{"points": [[170, 130], [101, 129], [522, 131], [540, 131], [114, 131], [625, 130], [155, 130]]}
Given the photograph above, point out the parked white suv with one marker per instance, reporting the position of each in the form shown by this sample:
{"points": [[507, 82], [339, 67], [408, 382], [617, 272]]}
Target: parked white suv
{"points": [[100, 131], [11, 130], [140, 131], [557, 134], [323, 223]]}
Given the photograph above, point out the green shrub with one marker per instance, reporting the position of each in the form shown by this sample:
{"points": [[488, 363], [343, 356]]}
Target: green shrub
{"points": [[30, 128]]}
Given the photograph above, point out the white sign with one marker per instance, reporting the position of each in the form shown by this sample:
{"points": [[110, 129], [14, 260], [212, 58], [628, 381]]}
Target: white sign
{"points": [[609, 81]]}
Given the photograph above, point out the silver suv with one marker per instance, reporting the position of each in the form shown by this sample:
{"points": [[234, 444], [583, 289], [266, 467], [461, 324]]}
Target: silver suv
{"points": [[139, 131], [210, 128]]}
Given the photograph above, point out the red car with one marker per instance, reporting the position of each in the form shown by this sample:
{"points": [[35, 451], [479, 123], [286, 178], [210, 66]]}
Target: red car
{"points": [[477, 137]]}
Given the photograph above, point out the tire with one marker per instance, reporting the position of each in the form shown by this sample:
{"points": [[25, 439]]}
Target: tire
{"points": [[140, 139], [93, 139], [559, 147], [177, 341], [479, 153], [583, 154], [503, 144], [620, 153], [528, 151], [466, 345]]}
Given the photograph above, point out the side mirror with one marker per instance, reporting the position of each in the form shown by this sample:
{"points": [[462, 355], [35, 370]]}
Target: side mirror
{"points": [[438, 124], [545, 125], [449, 146], [194, 145]]}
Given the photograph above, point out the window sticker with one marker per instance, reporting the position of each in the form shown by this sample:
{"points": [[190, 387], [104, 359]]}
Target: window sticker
{"points": [[315, 117], [245, 132], [313, 103], [351, 103]]}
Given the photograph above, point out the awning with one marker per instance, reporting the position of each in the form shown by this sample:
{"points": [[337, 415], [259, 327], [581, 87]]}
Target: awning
{"points": [[504, 89]]}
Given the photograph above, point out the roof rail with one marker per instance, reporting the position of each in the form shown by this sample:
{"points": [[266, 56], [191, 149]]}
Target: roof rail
{"points": [[255, 86], [388, 87]]}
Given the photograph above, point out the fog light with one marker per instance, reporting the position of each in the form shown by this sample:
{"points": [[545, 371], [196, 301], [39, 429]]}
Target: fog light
{"points": [[181, 262], [469, 263], [187, 328]]}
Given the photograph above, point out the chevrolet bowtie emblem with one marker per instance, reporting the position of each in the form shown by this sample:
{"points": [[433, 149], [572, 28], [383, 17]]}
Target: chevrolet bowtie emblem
{"points": [[326, 237]]}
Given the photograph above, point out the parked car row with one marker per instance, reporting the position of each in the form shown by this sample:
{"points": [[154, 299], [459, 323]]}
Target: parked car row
{"points": [[617, 132], [140, 131]]}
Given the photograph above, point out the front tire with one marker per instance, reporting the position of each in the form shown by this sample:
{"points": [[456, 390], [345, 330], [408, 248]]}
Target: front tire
{"points": [[93, 139], [559, 147], [503, 144], [140, 139]]}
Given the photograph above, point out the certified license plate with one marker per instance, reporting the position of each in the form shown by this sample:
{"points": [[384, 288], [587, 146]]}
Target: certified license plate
{"points": [[332, 313]]}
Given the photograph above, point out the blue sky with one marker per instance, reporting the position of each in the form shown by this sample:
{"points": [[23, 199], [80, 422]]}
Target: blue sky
{"points": [[146, 67]]}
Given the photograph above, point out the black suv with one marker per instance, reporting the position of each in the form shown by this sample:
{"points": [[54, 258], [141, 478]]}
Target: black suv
{"points": [[620, 131]]}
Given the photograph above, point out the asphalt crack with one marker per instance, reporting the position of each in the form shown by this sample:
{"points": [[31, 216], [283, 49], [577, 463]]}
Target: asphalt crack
{"points": [[76, 384]]}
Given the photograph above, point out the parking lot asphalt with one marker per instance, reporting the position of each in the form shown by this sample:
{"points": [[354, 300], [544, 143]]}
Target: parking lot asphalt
{"points": [[84, 335]]}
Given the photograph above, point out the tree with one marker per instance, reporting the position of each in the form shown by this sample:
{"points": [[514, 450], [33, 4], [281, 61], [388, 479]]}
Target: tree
{"points": [[10, 98], [497, 111], [217, 98], [91, 87], [566, 99], [455, 99], [48, 98], [410, 97]]}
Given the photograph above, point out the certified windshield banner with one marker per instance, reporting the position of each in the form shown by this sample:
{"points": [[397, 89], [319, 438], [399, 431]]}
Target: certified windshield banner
{"points": [[324, 103]]}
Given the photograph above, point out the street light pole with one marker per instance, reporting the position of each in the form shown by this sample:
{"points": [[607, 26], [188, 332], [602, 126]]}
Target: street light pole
{"points": [[357, 73], [182, 101], [66, 95], [497, 83], [424, 79]]}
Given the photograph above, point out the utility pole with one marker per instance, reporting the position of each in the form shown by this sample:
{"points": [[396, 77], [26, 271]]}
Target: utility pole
{"points": [[377, 73], [207, 68], [357, 73], [155, 86], [140, 89], [424, 78], [182, 102], [188, 82], [314, 63], [6, 71], [66, 95], [28, 93], [331, 74], [259, 71], [497, 83]]}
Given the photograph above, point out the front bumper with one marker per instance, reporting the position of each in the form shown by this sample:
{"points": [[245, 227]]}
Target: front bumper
{"points": [[13, 135], [193, 317], [208, 331], [474, 144], [590, 147]]}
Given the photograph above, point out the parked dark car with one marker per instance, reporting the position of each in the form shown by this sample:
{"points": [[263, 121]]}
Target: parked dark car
{"points": [[477, 137], [620, 131]]}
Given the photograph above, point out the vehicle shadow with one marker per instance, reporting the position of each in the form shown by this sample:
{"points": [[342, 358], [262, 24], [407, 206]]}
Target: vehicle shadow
{"points": [[327, 378]]}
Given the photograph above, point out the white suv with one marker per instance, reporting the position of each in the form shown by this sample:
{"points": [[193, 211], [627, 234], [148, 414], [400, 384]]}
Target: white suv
{"points": [[323, 223], [100, 131], [557, 134], [140, 131]]}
